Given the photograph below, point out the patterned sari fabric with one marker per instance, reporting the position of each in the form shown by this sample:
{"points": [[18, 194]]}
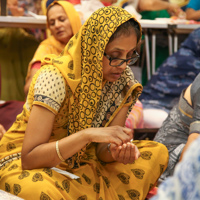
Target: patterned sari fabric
{"points": [[72, 87], [51, 45]]}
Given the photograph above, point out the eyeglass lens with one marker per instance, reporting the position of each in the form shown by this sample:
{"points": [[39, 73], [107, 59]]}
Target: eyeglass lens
{"points": [[118, 62]]}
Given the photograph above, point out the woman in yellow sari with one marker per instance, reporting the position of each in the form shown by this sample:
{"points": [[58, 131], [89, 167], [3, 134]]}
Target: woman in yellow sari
{"points": [[74, 117], [63, 21]]}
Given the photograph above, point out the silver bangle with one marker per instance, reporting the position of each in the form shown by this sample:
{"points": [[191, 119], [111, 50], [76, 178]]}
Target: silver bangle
{"points": [[58, 152], [108, 148]]}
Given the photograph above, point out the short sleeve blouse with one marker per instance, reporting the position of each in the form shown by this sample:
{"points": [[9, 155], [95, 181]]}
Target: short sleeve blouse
{"points": [[49, 89]]}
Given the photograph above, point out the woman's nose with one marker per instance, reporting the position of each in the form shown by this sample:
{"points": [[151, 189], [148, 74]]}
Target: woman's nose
{"points": [[123, 65], [57, 23]]}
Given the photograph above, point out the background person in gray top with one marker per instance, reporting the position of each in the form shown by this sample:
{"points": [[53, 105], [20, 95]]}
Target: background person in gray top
{"points": [[182, 126]]}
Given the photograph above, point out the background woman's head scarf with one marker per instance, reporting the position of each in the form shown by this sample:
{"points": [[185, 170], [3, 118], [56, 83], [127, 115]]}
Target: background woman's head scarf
{"points": [[71, 13]]}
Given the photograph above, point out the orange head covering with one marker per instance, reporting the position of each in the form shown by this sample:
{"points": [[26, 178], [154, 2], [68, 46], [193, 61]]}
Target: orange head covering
{"points": [[72, 14]]}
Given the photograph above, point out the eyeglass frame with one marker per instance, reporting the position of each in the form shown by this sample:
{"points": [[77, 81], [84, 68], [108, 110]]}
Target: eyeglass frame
{"points": [[123, 60]]}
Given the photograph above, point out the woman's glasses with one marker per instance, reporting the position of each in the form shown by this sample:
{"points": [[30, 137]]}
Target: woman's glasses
{"points": [[116, 62]]}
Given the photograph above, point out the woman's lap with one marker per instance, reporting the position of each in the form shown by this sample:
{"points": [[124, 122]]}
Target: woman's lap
{"points": [[97, 179]]}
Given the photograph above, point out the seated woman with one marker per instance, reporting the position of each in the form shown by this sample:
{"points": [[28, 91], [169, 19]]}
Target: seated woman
{"points": [[74, 117], [63, 22], [181, 126]]}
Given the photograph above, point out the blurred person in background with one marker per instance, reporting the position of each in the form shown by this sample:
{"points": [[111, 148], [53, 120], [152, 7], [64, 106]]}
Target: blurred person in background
{"points": [[193, 10], [63, 21]]}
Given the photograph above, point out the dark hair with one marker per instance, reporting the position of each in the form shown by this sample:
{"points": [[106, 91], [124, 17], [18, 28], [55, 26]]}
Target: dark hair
{"points": [[49, 2], [126, 29]]}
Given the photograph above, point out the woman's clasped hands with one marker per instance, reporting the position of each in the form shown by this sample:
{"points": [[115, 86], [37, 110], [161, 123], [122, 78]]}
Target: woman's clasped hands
{"points": [[120, 146], [126, 153]]}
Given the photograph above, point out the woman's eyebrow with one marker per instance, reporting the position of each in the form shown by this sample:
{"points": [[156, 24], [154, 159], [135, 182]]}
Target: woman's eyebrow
{"points": [[118, 49]]}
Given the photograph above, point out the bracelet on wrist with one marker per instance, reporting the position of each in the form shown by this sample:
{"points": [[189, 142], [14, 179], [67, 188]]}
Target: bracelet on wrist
{"points": [[58, 152]]}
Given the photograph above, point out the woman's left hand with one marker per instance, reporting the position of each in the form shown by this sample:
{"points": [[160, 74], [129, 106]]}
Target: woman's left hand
{"points": [[127, 153]]}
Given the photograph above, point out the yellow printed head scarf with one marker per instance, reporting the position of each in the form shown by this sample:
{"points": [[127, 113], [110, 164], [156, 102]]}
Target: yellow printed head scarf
{"points": [[81, 65], [72, 14]]}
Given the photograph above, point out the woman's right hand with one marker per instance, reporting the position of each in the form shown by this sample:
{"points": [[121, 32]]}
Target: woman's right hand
{"points": [[114, 134]]}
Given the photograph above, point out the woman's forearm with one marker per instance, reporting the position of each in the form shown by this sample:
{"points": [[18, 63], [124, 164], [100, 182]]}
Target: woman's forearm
{"points": [[46, 155], [192, 14]]}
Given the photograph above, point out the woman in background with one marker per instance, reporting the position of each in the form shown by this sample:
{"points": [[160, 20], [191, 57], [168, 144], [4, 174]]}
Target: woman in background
{"points": [[63, 22], [193, 10], [62, 29], [182, 126]]}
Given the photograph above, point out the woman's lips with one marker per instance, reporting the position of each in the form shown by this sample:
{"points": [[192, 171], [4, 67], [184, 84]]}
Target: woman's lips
{"points": [[59, 32], [117, 75]]}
